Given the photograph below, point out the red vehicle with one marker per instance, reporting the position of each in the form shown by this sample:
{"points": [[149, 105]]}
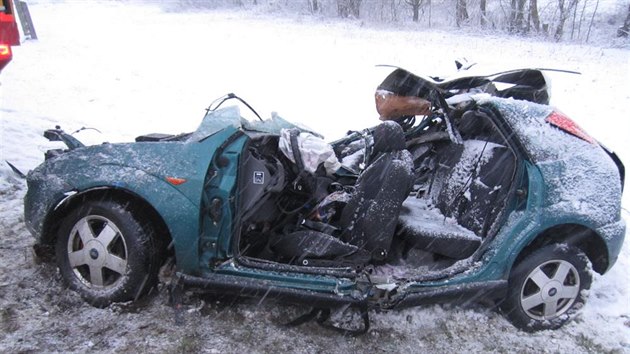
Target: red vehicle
{"points": [[9, 35]]}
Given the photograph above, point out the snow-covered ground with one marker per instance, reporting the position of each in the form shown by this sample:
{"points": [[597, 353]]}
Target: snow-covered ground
{"points": [[133, 69]]}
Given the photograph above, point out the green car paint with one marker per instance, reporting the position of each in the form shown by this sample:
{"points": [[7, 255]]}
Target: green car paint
{"points": [[201, 212]]}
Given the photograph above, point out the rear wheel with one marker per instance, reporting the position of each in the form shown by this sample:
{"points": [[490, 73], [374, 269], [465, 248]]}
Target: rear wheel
{"points": [[546, 288], [105, 253]]}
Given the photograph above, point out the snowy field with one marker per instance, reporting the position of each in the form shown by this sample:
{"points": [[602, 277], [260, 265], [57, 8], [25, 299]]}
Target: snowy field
{"points": [[133, 69]]}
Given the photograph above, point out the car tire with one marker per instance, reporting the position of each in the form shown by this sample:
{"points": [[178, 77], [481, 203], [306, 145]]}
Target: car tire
{"points": [[105, 253], [547, 288]]}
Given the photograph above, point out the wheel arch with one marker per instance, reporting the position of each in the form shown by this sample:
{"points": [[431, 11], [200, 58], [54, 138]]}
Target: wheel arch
{"points": [[133, 201], [580, 236]]}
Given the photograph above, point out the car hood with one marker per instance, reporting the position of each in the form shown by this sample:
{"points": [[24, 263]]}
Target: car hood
{"points": [[155, 158], [217, 120]]}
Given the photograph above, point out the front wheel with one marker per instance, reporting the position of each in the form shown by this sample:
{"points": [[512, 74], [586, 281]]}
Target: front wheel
{"points": [[547, 287], [105, 254]]}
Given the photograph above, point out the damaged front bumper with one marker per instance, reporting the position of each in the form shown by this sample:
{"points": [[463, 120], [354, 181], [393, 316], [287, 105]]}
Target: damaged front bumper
{"points": [[45, 191]]}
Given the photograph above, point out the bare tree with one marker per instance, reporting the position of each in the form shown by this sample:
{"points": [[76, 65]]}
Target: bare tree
{"points": [[563, 17], [574, 20], [461, 12], [533, 15], [624, 30], [588, 33], [313, 5], [415, 7], [347, 8], [388, 10], [484, 15], [564, 9], [517, 17], [579, 30]]}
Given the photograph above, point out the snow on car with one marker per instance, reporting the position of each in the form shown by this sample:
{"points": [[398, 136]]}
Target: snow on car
{"points": [[493, 195]]}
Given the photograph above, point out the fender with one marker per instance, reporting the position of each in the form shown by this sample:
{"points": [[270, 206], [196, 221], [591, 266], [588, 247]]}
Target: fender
{"points": [[179, 213]]}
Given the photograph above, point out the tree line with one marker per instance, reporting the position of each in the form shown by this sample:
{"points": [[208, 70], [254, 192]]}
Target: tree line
{"points": [[555, 19]]}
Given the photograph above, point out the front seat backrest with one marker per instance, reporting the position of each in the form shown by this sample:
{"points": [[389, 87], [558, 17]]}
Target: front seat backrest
{"points": [[370, 217]]}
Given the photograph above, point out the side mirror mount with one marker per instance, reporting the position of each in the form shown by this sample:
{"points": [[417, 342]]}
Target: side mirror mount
{"points": [[58, 134]]}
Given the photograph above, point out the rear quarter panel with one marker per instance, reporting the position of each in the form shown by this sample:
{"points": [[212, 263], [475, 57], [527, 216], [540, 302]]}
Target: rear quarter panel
{"points": [[571, 181]]}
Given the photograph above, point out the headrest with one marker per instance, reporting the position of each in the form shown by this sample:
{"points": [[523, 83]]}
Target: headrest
{"points": [[388, 137]]}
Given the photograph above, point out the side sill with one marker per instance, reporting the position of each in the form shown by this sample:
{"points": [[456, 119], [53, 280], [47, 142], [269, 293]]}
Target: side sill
{"points": [[462, 293], [341, 272], [220, 283]]}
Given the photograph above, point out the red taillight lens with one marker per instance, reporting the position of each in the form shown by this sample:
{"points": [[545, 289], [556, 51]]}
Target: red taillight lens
{"points": [[5, 51], [565, 123]]}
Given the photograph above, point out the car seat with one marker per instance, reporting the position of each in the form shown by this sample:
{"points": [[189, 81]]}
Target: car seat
{"points": [[368, 221], [466, 194]]}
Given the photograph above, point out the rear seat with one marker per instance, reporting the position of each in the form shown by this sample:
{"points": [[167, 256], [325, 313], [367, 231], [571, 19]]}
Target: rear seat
{"points": [[425, 227], [462, 201]]}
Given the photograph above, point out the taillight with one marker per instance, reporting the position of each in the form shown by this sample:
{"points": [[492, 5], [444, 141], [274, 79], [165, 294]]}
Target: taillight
{"points": [[566, 124], [5, 51]]}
